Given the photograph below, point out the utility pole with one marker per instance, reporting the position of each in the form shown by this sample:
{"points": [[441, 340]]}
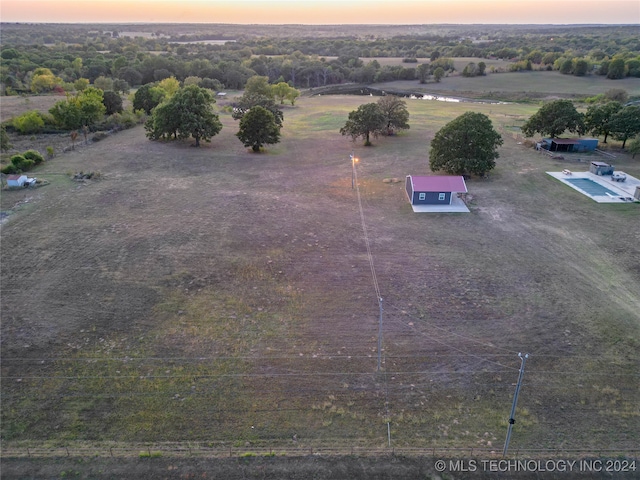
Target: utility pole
{"points": [[512, 420], [380, 335]]}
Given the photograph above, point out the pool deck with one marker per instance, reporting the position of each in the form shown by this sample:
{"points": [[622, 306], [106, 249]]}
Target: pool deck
{"points": [[625, 189]]}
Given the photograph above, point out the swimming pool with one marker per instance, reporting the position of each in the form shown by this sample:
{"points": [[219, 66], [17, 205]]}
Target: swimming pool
{"points": [[591, 188]]}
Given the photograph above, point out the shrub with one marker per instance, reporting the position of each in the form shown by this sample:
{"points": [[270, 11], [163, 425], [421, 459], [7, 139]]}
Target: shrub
{"points": [[99, 136], [29, 122], [125, 119], [21, 163], [50, 151], [149, 454], [33, 155], [9, 169]]}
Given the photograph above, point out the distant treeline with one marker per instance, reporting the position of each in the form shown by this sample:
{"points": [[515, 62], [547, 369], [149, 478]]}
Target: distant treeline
{"points": [[303, 56]]}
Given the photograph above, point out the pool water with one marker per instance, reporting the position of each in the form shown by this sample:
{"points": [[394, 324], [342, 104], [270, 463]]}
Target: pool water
{"points": [[591, 188]]}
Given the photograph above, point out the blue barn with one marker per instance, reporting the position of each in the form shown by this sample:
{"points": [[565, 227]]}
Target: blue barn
{"points": [[576, 145]]}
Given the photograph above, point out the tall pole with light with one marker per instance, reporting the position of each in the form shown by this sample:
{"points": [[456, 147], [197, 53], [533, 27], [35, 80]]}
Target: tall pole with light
{"points": [[354, 160]]}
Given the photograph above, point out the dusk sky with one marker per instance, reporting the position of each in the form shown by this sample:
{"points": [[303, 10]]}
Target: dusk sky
{"points": [[322, 11]]}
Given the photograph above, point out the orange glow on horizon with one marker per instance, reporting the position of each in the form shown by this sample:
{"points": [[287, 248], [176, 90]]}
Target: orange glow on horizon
{"points": [[408, 12]]}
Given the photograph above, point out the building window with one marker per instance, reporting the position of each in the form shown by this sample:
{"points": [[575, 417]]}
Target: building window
{"points": [[442, 196], [422, 196]]}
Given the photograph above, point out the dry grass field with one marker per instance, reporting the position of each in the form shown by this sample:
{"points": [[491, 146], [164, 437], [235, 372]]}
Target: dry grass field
{"points": [[218, 296]]}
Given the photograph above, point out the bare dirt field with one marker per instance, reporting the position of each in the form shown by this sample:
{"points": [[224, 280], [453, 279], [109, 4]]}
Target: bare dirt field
{"points": [[13, 106], [226, 298]]}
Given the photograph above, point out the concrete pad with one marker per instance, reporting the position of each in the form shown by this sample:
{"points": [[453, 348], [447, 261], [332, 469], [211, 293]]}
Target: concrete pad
{"points": [[624, 190]]}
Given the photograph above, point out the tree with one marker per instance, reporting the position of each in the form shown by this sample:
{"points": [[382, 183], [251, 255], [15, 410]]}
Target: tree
{"points": [[91, 106], [580, 67], [553, 119], [466, 145], [367, 120], [625, 123], [471, 70], [67, 113], [188, 113], [112, 102], [282, 90], [481, 68], [258, 85], [146, 98], [292, 95], [598, 117], [131, 75], [121, 86], [616, 69], [438, 73], [258, 127], [423, 72], [103, 83], [5, 143], [164, 122], [395, 112], [81, 110], [566, 65], [170, 86], [44, 80], [80, 84], [634, 147], [250, 100]]}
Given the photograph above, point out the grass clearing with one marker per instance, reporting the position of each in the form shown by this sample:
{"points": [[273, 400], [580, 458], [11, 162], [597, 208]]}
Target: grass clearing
{"points": [[217, 295], [525, 85]]}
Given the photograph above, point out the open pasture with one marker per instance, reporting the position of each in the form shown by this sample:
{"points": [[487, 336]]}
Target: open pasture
{"points": [[533, 84], [215, 295]]}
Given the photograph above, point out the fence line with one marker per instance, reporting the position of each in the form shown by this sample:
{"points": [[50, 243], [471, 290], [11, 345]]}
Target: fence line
{"points": [[197, 450], [606, 154]]}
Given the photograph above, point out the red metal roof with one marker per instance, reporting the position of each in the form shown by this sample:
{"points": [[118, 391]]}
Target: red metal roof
{"points": [[439, 183], [14, 176]]}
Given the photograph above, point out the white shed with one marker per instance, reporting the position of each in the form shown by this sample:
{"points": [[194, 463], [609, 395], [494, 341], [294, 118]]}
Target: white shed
{"points": [[16, 180]]}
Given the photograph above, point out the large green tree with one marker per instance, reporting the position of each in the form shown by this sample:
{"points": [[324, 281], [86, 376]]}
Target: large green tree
{"points": [[466, 145], [147, 97], [81, 110], [366, 120], [250, 100], [625, 123], [283, 90], [258, 127], [553, 119], [395, 112], [259, 85], [188, 113], [597, 120], [112, 102]]}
